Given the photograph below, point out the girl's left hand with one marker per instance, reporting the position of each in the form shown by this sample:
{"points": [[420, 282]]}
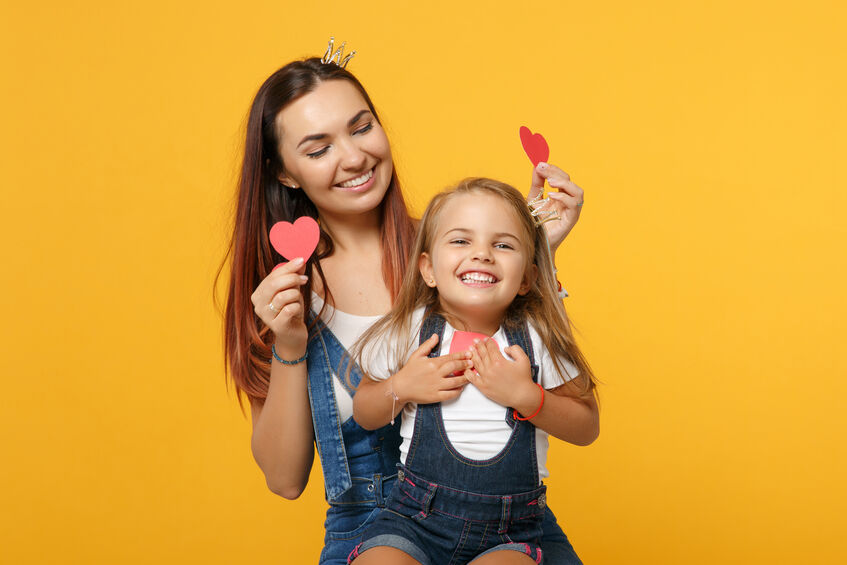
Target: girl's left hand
{"points": [[508, 383], [567, 202]]}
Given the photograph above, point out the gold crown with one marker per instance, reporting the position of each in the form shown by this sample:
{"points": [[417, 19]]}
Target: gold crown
{"points": [[338, 57]]}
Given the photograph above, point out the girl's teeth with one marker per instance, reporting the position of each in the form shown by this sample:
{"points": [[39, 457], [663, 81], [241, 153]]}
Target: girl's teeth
{"points": [[358, 180], [477, 277]]}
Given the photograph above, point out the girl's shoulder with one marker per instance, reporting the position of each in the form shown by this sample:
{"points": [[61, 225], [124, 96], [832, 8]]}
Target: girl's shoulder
{"points": [[384, 355], [549, 370]]}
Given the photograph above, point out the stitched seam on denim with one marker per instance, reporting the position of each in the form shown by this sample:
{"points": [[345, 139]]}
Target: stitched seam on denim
{"points": [[355, 372], [425, 324], [465, 460], [484, 537], [322, 371], [483, 495], [461, 543], [503, 526], [334, 410]]}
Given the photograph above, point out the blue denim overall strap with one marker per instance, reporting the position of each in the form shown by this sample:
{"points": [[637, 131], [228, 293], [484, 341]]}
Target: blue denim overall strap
{"points": [[514, 469], [347, 451]]}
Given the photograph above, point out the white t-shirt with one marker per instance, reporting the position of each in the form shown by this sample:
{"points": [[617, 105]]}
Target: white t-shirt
{"points": [[347, 328], [475, 425]]}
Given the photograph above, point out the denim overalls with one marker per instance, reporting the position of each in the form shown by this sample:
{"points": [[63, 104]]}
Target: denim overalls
{"points": [[451, 521], [359, 466]]}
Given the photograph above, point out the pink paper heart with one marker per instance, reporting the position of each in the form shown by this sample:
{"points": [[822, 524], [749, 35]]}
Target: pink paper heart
{"points": [[534, 145], [463, 341], [296, 240]]}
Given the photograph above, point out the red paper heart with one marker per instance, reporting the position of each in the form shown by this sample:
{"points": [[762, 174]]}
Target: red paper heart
{"points": [[463, 341], [296, 240], [535, 146]]}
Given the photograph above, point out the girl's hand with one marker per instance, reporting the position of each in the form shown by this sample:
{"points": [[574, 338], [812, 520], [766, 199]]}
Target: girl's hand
{"points": [[278, 302], [567, 202], [508, 383], [424, 380]]}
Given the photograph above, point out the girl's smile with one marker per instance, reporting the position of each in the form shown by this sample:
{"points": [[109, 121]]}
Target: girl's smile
{"points": [[479, 279]]}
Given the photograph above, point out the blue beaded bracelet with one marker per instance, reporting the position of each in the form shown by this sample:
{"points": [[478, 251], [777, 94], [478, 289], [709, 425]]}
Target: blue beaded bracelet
{"points": [[284, 362]]}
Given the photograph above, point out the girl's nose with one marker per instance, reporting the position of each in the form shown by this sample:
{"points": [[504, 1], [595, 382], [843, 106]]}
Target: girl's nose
{"points": [[481, 253]]}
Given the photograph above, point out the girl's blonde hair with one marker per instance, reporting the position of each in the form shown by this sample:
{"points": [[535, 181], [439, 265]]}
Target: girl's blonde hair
{"points": [[541, 303]]}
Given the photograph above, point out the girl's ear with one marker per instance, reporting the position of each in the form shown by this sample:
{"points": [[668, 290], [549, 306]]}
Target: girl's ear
{"points": [[528, 279], [426, 269]]}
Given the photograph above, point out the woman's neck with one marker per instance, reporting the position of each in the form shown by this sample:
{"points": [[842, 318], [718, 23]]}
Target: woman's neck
{"points": [[358, 233]]}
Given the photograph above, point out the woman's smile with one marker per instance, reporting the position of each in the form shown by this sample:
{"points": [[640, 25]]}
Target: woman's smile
{"points": [[360, 183]]}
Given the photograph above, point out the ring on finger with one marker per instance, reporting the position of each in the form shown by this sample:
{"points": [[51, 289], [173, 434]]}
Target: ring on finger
{"points": [[272, 308]]}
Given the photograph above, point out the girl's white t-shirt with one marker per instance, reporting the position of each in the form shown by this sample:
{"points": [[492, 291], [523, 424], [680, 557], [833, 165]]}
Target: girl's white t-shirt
{"points": [[475, 425], [347, 328]]}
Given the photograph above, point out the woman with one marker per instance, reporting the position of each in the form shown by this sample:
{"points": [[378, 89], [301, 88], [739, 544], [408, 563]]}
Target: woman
{"points": [[315, 147]]}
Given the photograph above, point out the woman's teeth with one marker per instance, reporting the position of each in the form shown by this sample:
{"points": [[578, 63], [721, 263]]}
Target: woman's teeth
{"points": [[478, 277], [358, 180]]}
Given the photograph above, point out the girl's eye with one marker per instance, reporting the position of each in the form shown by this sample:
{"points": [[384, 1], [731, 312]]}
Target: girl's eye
{"points": [[503, 246], [319, 153], [364, 129], [459, 241]]}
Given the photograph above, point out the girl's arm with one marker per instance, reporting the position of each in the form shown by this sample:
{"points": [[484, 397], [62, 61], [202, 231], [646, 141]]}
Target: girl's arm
{"points": [[282, 441], [421, 380], [565, 414]]}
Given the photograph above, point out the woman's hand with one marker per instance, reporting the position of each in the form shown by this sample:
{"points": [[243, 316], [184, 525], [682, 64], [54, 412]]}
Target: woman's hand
{"points": [[508, 383], [425, 380], [566, 203], [278, 302]]}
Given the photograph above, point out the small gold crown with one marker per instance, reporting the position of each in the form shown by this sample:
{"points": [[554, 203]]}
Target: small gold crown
{"points": [[536, 208], [338, 57]]}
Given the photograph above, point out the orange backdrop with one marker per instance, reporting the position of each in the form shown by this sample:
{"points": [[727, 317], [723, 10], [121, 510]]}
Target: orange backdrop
{"points": [[707, 273]]}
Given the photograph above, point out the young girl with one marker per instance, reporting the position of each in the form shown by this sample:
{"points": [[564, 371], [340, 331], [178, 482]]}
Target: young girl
{"points": [[473, 456]]}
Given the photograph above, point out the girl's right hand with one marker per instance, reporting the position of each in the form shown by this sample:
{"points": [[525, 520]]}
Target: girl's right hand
{"points": [[425, 380], [278, 302]]}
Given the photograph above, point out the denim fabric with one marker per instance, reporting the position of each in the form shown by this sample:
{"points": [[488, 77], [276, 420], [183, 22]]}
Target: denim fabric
{"points": [[449, 509], [359, 466]]}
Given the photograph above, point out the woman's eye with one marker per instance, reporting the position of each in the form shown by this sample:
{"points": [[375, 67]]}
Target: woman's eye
{"points": [[364, 129], [316, 154]]}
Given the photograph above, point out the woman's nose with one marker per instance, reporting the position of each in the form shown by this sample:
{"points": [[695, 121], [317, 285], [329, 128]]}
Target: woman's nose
{"points": [[352, 157]]}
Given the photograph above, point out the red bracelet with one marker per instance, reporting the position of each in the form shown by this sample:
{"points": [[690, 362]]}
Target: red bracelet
{"points": [[534, 414]]}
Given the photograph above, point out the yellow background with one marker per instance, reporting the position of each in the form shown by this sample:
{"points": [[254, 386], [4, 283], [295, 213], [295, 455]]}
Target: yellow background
{"points": [[707, 272]]}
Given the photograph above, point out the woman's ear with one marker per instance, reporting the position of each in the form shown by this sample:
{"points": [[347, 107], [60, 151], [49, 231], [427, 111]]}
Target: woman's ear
{"points": [[426, 269], [528, 279], [288, 181]]}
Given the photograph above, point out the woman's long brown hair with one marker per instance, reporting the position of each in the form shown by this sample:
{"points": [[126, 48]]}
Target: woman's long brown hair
{"points": [[262, 201]]}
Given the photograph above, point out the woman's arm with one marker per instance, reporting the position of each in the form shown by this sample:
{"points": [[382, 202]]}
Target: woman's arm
{"points": [[421, 380], [282, 441]]}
